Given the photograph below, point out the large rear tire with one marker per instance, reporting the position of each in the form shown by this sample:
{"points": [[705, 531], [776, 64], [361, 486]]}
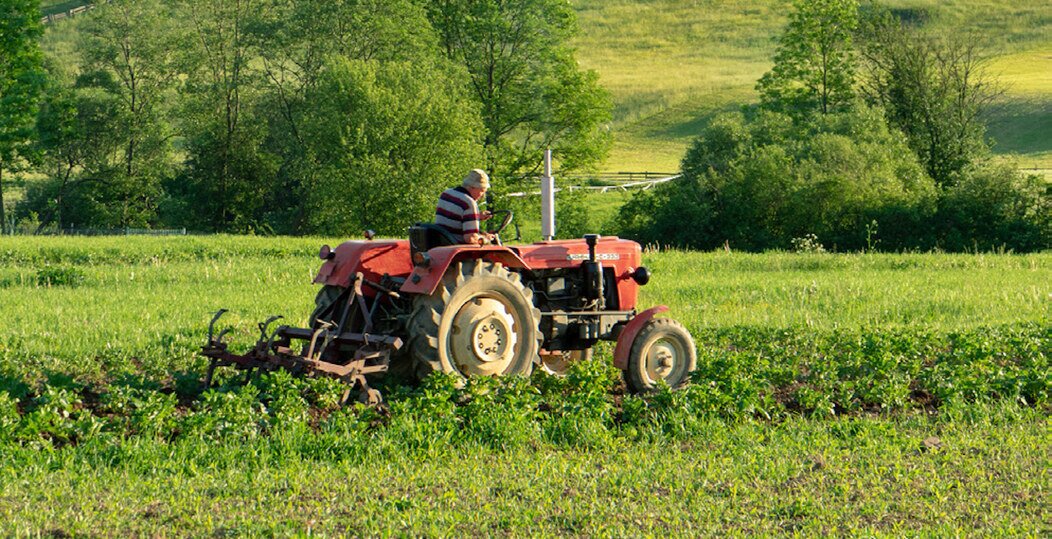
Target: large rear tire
{"points": [[480, 321], [663, 350]]}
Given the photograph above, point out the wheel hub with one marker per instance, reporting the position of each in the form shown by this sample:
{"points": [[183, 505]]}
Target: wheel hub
{"points": [[489, 339], [662, 359], [483, 337]]}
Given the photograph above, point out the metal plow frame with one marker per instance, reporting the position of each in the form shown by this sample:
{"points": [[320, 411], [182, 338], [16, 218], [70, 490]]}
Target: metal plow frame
{"points": [[323, 354]]}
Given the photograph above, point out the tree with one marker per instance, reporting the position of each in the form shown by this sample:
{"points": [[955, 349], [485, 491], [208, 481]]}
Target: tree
{"points": [[383, 140], [294, 39], [230, 174], [77, 139], [762, 178], [814, 67], [130, 53], [934, 88], [521, 69], [21, 81]]}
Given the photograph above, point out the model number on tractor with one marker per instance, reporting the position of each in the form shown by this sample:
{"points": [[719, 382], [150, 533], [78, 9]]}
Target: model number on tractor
{"points": [[598, 256]]}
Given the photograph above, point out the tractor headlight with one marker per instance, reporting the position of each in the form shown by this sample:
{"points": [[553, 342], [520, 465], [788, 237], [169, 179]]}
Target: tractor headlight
{"points": [[326, 253], [641, 275]]}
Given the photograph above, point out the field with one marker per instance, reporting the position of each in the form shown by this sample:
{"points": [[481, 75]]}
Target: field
{"points": [[868, 394], [671, 64]]}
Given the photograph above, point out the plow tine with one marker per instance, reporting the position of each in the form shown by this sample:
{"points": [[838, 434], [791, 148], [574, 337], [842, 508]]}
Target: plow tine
{"points": [[208, 375], [266, 324], [219, 339], [212, 324], [314, 338]]}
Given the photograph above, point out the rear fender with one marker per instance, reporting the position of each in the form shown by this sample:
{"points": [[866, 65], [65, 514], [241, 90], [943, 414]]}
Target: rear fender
{"points": [[425, 280], [632, 329]]}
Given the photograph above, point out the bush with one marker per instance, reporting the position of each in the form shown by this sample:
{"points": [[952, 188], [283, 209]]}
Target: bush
{"points": [[757, 179], [993, 207], [60, 276]]}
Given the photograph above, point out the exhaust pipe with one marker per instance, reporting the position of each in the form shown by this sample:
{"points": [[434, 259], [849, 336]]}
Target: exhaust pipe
{"points": [[547, 199]]}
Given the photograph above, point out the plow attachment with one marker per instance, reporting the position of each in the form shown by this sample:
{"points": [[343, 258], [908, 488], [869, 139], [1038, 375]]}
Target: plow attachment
{"points": [[345, 356]]}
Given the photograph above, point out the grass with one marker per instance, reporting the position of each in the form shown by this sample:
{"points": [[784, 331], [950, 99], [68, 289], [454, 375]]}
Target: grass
{"points": [[872, 394], [822, 380], [987, 476], [670, 64]]}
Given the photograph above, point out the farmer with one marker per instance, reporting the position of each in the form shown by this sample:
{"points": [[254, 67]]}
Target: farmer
{"points": [[458, 210]]}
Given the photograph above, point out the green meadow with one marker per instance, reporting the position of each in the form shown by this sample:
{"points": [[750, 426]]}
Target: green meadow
{"points": [[872, 394], [670, 65]]}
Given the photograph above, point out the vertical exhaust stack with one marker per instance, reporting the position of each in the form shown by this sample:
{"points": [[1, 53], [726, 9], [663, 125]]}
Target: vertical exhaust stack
{"points": [[547, 199]]}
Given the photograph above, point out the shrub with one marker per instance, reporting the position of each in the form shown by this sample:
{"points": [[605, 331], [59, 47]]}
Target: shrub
{"points": [[227, 414], [758, 179], [991, 207], [58, 417], [500, 413], [9, 417], [60, 276]]}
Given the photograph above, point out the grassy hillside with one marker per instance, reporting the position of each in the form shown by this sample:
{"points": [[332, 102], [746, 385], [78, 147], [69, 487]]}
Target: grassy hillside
{"points": [[671, 64]]}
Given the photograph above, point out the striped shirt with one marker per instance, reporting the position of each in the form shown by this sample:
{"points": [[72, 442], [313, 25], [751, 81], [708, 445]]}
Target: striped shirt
{"points": [[457, 212]]}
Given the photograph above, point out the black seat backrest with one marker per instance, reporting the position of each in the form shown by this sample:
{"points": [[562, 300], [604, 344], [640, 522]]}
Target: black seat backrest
{"points": [[426, 236]]}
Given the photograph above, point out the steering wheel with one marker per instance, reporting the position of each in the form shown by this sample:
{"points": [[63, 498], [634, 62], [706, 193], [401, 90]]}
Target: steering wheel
{"points": [[504, 222]]}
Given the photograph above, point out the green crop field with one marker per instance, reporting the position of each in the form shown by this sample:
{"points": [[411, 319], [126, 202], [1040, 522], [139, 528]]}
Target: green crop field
{"points": [[863, 394]]}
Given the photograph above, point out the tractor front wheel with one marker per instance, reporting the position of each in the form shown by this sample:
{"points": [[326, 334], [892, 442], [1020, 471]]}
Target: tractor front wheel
{"points": [[663, 350], [480, 321]]}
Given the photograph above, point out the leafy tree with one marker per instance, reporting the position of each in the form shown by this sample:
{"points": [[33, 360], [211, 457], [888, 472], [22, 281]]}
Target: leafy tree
{"points": [[21, 81], [77, 139], [934, 88], [128, 56], [384, 139], [522, 71], [994, 207], [814, 68], [293, 40], [229, 174]]}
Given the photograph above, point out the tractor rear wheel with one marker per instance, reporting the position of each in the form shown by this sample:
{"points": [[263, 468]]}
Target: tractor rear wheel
{"points": [[480, 321], [663, 350]]}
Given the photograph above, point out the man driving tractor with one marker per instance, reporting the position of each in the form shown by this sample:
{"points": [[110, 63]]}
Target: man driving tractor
{"points": [[458, 213]]}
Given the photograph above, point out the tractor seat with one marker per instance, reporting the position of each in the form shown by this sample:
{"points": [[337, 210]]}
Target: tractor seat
{"points": [[426, 236]]}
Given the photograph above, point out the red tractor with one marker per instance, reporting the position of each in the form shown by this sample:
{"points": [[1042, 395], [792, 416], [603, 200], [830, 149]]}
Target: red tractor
{"points": [[430, 304]]}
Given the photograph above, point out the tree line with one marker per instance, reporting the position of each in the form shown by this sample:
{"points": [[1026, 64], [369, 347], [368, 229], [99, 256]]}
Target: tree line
{"points": [[287, 116], [869, 134]]}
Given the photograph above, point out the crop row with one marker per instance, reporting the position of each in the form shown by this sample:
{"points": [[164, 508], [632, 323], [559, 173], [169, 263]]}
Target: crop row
{"points": [[743, 374]]}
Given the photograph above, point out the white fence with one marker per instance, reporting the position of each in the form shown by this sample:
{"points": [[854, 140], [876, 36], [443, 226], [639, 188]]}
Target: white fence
{"points": [[48, 19], [642, 184]]}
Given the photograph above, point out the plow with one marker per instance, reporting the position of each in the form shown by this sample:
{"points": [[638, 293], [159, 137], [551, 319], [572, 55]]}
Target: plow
{"points": [[432, 304], [318, 353]]}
